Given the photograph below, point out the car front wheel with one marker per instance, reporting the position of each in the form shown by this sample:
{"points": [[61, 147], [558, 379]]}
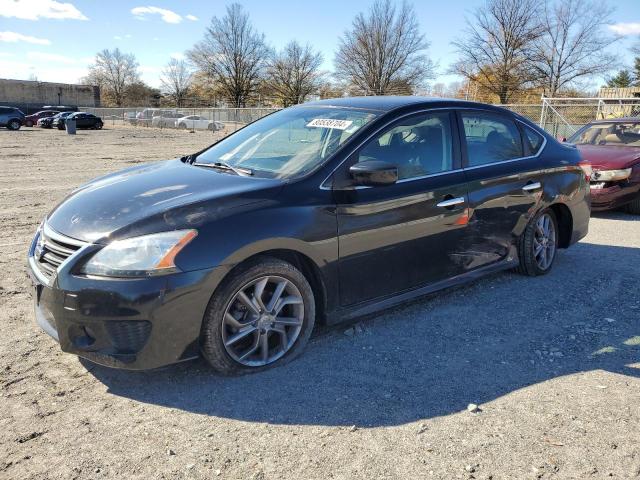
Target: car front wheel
{"points": [[13, 125], [99, 126], [261, 316], [537, 246], [28, 123]]}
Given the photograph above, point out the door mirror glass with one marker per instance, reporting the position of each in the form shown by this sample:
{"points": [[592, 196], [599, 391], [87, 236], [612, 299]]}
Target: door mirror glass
{"points": [[372, 173]]}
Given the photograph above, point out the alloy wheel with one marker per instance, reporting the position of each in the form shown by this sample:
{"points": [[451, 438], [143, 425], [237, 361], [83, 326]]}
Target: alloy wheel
{"points": [[263, 321], [544, 241]]}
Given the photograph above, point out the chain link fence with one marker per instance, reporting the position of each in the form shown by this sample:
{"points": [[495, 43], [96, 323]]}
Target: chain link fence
{"points": [[218, 120], [561, 117]]}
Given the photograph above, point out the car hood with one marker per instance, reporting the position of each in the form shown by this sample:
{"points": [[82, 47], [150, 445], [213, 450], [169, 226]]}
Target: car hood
{"points": [[606, 157], [155, 197]]}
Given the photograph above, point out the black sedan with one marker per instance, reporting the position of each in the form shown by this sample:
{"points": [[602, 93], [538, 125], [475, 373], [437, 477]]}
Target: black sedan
{"points": [[83, 120], [317, 213]]}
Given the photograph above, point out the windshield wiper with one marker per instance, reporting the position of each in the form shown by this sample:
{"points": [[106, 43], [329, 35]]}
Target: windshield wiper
{"points": [[243, 172]]}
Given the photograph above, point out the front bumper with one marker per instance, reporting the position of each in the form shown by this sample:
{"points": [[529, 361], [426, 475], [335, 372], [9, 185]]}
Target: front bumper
{"points": [[136, 324], [614, 196]]}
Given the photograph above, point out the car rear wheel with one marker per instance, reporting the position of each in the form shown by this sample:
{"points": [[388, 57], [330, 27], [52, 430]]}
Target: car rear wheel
{"points": [[13, 125], [634, 206], [537, 246], [261, 316]]}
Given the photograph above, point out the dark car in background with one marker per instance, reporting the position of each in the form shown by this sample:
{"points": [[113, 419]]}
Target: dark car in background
{"points": [[11, 118], [31, 120], [612, 147], [55, 121], [83, 120], [317, 213]]}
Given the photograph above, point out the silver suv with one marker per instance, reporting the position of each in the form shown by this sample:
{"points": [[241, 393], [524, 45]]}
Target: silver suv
{"points": [[11, 117]]}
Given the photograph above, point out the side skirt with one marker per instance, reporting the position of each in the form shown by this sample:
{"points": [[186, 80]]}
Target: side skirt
{"points": [[374, 306]]}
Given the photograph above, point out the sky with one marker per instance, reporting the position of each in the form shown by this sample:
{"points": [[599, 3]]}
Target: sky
{"points": [[56, 40]]}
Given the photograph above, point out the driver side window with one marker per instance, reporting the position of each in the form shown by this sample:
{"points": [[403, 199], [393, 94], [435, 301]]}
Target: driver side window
{"points": [[419, 145]]}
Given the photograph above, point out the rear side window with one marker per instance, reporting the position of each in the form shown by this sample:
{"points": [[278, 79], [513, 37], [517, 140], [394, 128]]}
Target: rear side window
{"points": [[490, 138], [534, 139]]}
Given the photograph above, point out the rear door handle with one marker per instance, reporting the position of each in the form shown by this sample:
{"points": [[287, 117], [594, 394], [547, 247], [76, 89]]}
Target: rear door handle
{"points": [[530, 187], [450, 202]]}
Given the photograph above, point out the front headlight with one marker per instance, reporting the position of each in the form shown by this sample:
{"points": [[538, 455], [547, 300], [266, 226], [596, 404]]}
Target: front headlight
{"points": [[140, 256], [611, 175]]}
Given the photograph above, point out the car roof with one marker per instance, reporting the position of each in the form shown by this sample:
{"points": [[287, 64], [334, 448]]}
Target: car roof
{"points": [[388, 103]]}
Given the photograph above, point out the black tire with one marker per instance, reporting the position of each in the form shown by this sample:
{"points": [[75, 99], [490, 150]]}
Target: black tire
{"points": [[182, 126], [529, 264], [14, 125], [28, 123], [212, 345], [634, 207], [98, 126]]}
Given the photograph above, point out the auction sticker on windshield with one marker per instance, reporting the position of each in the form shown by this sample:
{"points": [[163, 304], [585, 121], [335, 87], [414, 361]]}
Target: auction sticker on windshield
{"points": [[330, 123]]}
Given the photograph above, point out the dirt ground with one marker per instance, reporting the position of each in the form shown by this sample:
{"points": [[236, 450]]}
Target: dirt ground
{"points": [[552, 362]]}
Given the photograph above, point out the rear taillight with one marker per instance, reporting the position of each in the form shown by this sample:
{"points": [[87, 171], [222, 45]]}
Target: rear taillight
{"points": [[586, 168]]}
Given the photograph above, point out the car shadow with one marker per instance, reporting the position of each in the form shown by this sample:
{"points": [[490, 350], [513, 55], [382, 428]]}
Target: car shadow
{"points": [[431, 357]]}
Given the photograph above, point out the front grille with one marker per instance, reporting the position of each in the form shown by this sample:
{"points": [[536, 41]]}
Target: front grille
{"points": [[51, 250], [128, 336]]}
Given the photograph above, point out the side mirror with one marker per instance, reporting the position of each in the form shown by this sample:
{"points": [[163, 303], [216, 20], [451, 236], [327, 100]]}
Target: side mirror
{"points": [[372, 173]]}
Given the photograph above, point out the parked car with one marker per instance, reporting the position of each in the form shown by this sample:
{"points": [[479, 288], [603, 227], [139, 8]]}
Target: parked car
{"points": [[52, 122], [83, 120], [166, 119], [11, 118], [61, 108], [317, 213], [31, 120], [145, 117], [612, 147], [195, 122]]}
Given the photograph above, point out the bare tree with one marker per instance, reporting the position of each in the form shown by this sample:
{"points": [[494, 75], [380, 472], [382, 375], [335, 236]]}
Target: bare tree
{"points": [[233, 53], [384, 51], [114, 71], [294, 73], [497, 44], [176, 80], [573, 45]]}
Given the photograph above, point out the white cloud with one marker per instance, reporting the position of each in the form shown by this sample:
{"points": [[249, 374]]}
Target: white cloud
{"points": [[13, 37], [36, 9], [178, 55], [117, 37], [623, 28], [50, 57], [193, 18], [54, 73], [166, 15]]}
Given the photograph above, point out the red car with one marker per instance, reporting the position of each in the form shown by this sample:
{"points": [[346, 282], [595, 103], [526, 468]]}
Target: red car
{"points": [[31, 120], [612, 147]]}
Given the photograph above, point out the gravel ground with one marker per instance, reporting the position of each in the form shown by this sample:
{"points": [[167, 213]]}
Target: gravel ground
{"points": [[552, 363]]}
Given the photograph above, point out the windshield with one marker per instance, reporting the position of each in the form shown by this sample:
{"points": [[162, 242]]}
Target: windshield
{"points": [[616, 134], [288, 143]]}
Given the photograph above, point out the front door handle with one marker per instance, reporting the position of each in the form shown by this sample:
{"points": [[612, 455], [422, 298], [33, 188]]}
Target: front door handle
{"points": [[450, 202], [530, 187]]}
